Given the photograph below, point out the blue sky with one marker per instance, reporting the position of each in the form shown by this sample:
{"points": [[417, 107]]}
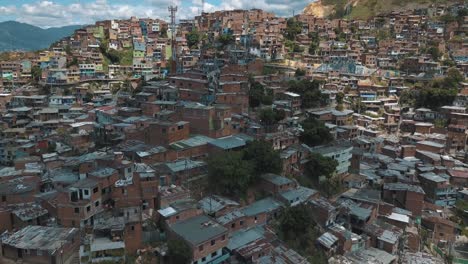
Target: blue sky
{"points": [[53, 13]]}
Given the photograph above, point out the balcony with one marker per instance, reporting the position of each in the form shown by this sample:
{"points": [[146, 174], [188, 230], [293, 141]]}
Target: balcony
{"points": [[224, 256]]}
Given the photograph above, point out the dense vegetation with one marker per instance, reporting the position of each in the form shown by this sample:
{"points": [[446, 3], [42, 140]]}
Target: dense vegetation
{"points": [[439, 93], [258, 95], [320, 171], [315, 132], [232, 173], [28, 37], [178, 252], [310, 93], [296, 228]]}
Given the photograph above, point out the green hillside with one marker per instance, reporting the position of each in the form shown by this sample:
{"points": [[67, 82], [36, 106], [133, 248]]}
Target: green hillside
{"points": [[364, 9], [21, 36]]}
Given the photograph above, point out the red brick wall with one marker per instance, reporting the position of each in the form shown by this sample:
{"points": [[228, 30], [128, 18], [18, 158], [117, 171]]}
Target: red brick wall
{"points": [[133, 237], [208, 248]]}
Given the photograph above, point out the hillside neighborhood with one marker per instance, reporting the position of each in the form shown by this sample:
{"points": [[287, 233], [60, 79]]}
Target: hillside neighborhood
{"points": [[240, 136]]}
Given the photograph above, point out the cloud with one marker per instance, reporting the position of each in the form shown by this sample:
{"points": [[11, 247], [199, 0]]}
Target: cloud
{"points": [[52, 13], [7, 10]]}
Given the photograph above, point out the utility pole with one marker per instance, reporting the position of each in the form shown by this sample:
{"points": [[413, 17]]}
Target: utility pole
{"points": [[173, 11]]}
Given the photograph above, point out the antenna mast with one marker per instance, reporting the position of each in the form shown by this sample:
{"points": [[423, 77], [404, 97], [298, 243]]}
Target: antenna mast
{"points": [[173, 11]]}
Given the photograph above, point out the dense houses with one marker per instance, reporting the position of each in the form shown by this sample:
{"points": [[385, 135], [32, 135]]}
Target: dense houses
{"points": [[105, 147]]}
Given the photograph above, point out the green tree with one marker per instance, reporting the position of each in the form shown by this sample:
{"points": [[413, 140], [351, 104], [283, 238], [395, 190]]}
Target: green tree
{"points": [[295, 226], [340, 98], [36, 74], [293, 28], [263, 157], [358, 106], [164, 32], [179, 252], [267, 117], [300, 72], [51, 147], [193, 38], [319, 166], [434, 52], [408, 98], [313, 47], [226, 39], [320, 171], [315, 132], [339, 101], [66, 91], [434, 98], [88, 97], [68, 50], [454, 77], [294, 222], [73, 62], [309, 91], [230, 174], [256, 93]]}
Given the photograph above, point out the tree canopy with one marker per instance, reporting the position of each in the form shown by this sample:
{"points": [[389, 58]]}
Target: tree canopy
{"points": [[231, 173], [269, 117], [226, 39], [193, 38], [309, 91], [320, 172], [264, 158], [318, 166], [178, 252], [295, 226], [293, 28], [315, 132], [257, 95]]}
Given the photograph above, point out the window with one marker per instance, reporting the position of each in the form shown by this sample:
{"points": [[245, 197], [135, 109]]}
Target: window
{"points": [[203, 259], [133, 228], [213, 242], [241, 222], [95, 190], [233, 225], [77, 210], [88, 208], [200, 248], [214, 254], [223, 237], [177, 217], [180, 127], [96, 203], [86, 192], [163, 131], [256, 218]]}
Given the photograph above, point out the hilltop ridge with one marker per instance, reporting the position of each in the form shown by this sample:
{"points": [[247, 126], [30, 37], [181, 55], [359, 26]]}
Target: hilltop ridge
{"points": [[364, 9], [26, 37]]}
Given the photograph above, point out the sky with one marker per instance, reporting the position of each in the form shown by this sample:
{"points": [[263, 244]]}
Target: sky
{"points": [[57, 13]]}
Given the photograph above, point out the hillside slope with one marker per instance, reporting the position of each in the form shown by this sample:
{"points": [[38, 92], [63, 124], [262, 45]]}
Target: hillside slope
{"points": [[21, 36], [363, 9]]}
